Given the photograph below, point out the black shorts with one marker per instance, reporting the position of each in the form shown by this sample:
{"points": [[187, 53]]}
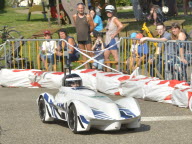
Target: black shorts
{"points": [[85, 42]]}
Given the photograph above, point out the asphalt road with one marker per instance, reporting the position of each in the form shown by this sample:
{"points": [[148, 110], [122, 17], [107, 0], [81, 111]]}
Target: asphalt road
{"points": [[20, 123]]}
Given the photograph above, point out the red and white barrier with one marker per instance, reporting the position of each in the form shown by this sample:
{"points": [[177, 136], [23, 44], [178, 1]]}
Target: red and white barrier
{"points": [[190, 104], [182, 96], [17, 78], [161, 91], [109, 83], [135, 87], [51, 80]]}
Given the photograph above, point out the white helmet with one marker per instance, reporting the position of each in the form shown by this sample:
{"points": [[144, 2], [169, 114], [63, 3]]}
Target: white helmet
{"points": [[110, 8]]}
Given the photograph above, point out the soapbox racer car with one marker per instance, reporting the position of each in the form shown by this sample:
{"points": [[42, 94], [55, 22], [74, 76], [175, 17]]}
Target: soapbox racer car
{"points": [[83, 109]]}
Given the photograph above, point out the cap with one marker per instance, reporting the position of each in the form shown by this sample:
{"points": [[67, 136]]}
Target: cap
{"points": [[47, 32], [139, 35], [133, 35]]}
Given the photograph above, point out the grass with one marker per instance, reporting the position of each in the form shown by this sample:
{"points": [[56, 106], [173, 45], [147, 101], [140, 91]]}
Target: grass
{"points": [[12, 18]]}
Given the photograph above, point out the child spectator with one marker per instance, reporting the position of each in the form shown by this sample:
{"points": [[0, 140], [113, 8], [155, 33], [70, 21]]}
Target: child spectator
{"points": [[131, 60], [139, 52], [97, 47], [48, 49]]}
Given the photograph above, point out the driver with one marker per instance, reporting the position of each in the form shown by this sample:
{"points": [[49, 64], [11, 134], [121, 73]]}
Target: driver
{"points": [[72, 80]]}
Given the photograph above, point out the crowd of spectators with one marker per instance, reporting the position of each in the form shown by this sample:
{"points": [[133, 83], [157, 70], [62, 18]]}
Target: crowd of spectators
{"points": [[88, 25], [91, 25], [176, 54]]}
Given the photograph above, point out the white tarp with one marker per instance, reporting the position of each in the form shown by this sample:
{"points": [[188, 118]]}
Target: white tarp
{"points": [[135, 87], [17, 78], [181, 96], [51, 80], [109, 83], [161, 91]]}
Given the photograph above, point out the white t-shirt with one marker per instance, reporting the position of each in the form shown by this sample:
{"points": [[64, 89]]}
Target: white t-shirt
{"points": [[49, 47]]}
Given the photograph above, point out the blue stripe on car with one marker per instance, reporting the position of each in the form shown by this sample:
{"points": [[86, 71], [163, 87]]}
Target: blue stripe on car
{"points": [[84, 120], [101, 115], [46, 97], [125, 113]]}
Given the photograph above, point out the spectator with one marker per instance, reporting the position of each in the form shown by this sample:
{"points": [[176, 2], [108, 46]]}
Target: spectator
{"points": [[97, 22], [89, 4], [153, 12], [142, 51], [185, 6], [48, 50], [139, 52], [84, 26], [132, 59], [62, 46], [178, 50], [97, 47], [163, 36], [98, 8], [190, 6], [114, 27]]}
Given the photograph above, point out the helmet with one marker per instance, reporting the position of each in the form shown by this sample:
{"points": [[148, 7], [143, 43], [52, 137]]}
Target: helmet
{"points": [[133, 35], [47, 32], [139, 35], [109, 8], [72, 80]]}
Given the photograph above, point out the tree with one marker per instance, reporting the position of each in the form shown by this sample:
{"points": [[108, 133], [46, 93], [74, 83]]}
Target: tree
{"points": [[2, 4]]}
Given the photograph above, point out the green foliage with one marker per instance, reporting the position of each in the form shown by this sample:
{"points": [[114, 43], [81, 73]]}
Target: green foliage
{"points": [[179, 1], [2, 4], [123, 2]]}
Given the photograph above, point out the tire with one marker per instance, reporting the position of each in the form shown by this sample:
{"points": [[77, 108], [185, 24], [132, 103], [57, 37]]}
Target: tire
{"points": [[13, 34], [72, 119], [42, 109]]}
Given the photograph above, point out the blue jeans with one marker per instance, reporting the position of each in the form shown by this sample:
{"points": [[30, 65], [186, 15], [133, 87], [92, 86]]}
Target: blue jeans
{"points": [[156, 63], [49, 58], [177, 68], [97, 65]]}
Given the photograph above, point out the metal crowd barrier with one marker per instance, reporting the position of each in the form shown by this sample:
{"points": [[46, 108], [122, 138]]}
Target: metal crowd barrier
{"points": [[25, 54], [164, 63], [157, 59]]}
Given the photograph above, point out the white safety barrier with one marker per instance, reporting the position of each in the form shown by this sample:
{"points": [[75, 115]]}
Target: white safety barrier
{"points": [[109, 83], [182, 96], [17, 77], [51, 80], [190, 104], [135, 87], [161, 91]]}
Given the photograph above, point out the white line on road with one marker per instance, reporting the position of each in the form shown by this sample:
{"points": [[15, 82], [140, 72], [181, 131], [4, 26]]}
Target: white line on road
{"points": [[166, 118]]}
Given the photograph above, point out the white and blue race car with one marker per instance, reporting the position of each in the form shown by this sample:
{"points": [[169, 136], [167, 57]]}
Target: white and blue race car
{"points": [[83, 109]]}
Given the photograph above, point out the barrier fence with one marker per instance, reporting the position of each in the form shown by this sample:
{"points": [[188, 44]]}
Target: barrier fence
{"points": [[157, 58], [154, 58]]}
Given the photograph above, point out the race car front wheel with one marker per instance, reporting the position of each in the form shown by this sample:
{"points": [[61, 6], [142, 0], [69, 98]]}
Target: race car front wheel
{"points": [[72, 118], [42, 109]]}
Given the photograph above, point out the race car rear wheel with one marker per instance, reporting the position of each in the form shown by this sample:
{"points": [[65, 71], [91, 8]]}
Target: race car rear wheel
{"points": [[72, 118], [42, 109]]}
